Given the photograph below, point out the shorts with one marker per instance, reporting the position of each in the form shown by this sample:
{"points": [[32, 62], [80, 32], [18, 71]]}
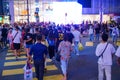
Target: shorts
{"points": [[28, 45], [16, 46]]}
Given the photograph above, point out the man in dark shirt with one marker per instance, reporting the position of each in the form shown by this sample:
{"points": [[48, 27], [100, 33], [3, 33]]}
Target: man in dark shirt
{"points": [[28, 38], [70, 36], [39, 52], [4, 36]]}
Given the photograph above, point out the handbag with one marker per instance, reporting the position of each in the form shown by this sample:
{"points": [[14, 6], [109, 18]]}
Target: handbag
{"points": [[80, 46], [28, 73], [103, 50], [12, 45]]}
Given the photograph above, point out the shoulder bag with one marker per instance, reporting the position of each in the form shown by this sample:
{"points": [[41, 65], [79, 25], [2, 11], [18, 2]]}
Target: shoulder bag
{"points": [[12, 46], [103, 50]]}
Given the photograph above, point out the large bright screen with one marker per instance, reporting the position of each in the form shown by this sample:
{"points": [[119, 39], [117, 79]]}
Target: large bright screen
{"points": [[67, 12]]}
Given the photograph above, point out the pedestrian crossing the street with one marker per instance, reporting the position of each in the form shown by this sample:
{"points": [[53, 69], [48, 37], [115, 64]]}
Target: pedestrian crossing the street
{"points": [[13, 70]]}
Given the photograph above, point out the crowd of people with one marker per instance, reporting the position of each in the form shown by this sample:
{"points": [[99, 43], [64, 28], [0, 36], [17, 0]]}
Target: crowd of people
{"points": [[46, 39]]}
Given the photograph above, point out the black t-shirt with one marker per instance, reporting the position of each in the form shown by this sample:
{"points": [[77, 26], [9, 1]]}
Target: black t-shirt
{"points": [[4, 32], [27, 37], [97, 30]]}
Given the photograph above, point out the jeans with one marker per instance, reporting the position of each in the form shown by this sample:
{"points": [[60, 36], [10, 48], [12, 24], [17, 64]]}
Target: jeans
{"points": [[4, 40], [39, 69], [107, 69], [97, 37], [114, 38], [64, 64], [91, 37], [76, 47]]}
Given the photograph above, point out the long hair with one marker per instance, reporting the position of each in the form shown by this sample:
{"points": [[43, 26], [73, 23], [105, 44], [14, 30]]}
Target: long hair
{"points": [[65, 37]]}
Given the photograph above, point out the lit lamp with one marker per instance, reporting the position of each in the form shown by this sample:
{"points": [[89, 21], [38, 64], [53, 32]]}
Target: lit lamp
{"points": [[24, 12]]}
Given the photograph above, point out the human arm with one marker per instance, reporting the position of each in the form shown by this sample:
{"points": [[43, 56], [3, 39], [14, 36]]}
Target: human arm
{"points": [[30, 54]]}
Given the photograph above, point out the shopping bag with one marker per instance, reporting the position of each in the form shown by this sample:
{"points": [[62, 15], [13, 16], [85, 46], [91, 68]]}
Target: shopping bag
{"points": [[89, 44], [12, 46], [80, 46], [28, 74], [118, 43]]}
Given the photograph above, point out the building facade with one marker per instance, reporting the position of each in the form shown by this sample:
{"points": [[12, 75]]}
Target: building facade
{"points": [[17, 9]]}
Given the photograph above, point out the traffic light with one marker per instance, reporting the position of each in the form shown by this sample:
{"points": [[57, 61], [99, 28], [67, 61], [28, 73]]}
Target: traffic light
{"points": [[36, 14]]}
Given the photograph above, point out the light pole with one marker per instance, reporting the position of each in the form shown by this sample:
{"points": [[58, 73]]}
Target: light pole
{"points": [[101, 11], [27, 12]]}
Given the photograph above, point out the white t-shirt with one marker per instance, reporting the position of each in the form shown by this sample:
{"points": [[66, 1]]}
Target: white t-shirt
{"points": [[107, 55], [76, 35], [18, 36], [118, 52], [90, 31]]}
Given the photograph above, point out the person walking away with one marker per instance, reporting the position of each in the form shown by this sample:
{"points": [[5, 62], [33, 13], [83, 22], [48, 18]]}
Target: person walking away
{"points": [[115, 34], [91, 33], [35, 34], [44, 42], [97, 32], [65, 48], [104, 51], [70, 35], [4, 36], [17, 38], [39, 52], [77, 39], [51, 43], [28, 40]]}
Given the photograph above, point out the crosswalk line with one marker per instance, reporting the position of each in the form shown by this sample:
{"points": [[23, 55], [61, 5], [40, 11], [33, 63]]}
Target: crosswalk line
{"points": [[55, 77], [12, 54], [89, 43], [20, 70], [13, 57], [14, 63], [20, 62], [9, 51]]}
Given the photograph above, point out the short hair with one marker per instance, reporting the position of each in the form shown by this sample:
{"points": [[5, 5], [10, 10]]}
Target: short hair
{"points": [[27, 29], [39, 37], [16, 27], [105, 37]]}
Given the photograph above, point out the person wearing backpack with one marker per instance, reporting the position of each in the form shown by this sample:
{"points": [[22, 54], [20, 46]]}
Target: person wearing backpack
{"points": [[51, 42], [104, 51]]}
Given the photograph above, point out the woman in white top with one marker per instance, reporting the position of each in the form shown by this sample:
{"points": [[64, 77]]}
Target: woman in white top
{"points": [[105, 60]]}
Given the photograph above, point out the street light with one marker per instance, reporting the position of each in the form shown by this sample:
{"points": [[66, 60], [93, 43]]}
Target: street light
{"points": [[27, 12], [101, 11]]}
